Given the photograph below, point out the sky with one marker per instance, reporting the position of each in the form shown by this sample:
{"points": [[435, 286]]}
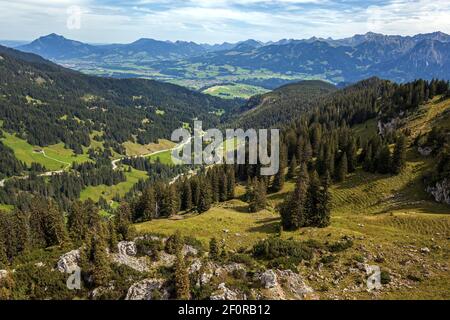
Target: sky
{"points": [[216, 21]]}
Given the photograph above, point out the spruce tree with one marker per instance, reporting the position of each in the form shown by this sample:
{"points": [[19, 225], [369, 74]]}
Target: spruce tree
{"points": [[279, 178], [149, 204], [399, 156], [322, 217], [258, 199], [342, 168], [181, 276], [123, 221], [231, 182], [100, 268], [292, 168], [214, 250], [205, 199], [77, 222], [383, 160], [293, 210], [186, 196]]}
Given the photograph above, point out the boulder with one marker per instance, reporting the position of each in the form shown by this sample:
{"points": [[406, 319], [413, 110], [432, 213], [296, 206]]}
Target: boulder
{"points": [[127, 248], [425, 151], [3, 274], [126, 256], [441, 191], [68, 262], [294, 283], [268, 279], [189, 250], [224, 293], [148, 289], [196, 265]]}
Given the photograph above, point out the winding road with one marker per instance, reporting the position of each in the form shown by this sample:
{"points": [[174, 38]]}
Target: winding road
{"points": [[114, 163]]}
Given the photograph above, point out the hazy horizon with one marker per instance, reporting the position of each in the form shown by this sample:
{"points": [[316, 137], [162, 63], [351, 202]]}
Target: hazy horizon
{"points": [[203, 21]]}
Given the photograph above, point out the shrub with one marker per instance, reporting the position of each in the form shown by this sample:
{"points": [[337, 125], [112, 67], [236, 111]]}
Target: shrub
{"points": [[274, 248], [150, 247], [385, 277], [340, 246]]}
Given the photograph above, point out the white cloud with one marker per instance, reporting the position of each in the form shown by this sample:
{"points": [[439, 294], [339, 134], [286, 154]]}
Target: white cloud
{"points": [[220, 20]]}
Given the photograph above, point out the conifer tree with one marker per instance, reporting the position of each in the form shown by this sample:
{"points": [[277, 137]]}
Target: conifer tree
{"points": [[257, 198], [342, 168], [97, 257], [123, 221], [149, 204], [399, 156], [186, 196], [322, 217], [293, 210], [214, 250], [205, 199], [383, 160], [292, 168], [231, 182], [181, 276], [279, 178], [77, 222]]}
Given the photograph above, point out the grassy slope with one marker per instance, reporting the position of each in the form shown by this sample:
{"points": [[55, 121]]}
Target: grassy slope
{"points": [[238, 90], [388, 216], [135, 149], [57, 156], [108, 193]]}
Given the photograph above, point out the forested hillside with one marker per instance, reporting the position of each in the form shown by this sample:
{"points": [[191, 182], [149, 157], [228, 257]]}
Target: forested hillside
{"points": [[279, 106], [47, 104]]}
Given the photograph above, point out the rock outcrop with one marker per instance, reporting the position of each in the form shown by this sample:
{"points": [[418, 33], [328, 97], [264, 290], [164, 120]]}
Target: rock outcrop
{"points": [[148, 289], [224, 293], [126, 256], [68, 262], [441, 191]]}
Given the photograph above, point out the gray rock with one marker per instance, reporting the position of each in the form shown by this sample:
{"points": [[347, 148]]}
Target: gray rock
{"points": [[425, 250], [224, 293], [441, 191], [268, 279], [3, 273], [127, 248], [146, 289], [196, 265], [68, 262]]}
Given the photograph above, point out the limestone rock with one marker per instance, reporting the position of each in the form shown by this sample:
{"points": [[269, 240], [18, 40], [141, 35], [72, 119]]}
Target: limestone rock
{"points": [[148, 289], [68, 262], [268, 279], [196, 265], [224, 293], [127, 248], [441, 191], [126, 256]]}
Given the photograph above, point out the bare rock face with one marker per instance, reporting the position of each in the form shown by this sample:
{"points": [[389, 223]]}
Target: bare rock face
{"points": [[385, 128], [441, 191], [196, 265], [189, 250], [283, 285], [3, 274], [268, 279], [127, 248], [425, 151], [126, 256], [68, 262], [148, 289], [224, 293], [294, 284]]}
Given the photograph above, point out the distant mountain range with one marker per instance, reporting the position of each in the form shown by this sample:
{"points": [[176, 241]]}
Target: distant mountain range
{"points": [[398, 58]]}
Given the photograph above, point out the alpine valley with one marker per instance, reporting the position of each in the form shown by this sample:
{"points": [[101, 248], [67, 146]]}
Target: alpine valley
{"points": [[88, 187]]}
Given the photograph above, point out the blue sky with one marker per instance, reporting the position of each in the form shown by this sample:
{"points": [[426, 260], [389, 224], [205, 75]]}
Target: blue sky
{"points": [[213, 21]]}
